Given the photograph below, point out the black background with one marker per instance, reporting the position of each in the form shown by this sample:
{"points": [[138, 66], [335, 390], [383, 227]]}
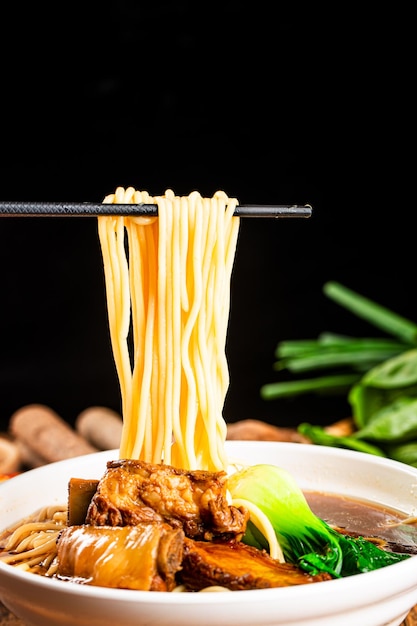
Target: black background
{"points": [[269, 104]]}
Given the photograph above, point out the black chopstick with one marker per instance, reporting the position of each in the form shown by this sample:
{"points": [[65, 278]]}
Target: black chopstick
{"points": [[91, 209]]}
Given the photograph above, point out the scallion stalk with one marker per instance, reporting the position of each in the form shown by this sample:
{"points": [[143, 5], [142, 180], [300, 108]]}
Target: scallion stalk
{"points": [[322, 384], [374, 313]]}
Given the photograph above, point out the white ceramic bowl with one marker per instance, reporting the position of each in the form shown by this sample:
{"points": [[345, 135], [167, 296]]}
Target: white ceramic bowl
{"points": [[379, 598]]}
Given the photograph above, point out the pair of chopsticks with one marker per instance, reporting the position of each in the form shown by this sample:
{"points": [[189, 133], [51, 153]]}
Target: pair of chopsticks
{"points": [[91, 209]]}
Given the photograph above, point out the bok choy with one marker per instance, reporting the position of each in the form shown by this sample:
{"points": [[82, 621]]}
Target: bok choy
{"points": [[305, 539]]}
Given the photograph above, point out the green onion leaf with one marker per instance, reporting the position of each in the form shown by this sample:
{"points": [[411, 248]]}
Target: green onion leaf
{"points": [[376, 314]]}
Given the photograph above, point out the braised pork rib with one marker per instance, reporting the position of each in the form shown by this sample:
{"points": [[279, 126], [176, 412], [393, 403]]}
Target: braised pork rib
{"points": [[133, 492], [153, 526]]}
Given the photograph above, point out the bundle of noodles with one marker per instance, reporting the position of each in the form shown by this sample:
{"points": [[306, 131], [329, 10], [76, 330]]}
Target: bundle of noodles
{"points": [[168, 307]]}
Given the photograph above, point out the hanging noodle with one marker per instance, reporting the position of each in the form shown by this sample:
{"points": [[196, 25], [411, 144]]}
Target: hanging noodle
{"points": [[168, 296]]}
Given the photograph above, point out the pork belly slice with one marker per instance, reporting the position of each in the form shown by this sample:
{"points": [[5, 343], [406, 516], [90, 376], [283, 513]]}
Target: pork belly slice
{"points": [[237, 566], [145, 556], [133, 492]]}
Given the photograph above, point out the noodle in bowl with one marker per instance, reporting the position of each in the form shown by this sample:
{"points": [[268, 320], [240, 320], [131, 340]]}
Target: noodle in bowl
{"points": [[379, 598]]}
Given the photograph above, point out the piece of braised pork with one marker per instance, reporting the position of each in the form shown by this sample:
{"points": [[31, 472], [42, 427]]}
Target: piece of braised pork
{"points": [[145, 557], [237, 566], [133, 492], [154, 526]]}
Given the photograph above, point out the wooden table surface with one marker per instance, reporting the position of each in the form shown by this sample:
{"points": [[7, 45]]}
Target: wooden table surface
{"points": [[8, 619]]}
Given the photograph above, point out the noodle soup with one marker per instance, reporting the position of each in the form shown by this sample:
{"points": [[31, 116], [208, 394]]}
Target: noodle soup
{"points": [[380, 597]]}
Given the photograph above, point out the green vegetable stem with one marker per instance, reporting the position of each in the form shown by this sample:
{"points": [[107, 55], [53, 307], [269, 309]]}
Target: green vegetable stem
{"points": [[318, 435], [324, 384]]}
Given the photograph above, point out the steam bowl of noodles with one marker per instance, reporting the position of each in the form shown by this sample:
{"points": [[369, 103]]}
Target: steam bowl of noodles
{"points": [[376, 598]]}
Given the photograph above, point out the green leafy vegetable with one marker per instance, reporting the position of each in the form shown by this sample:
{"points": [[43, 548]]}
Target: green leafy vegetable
{"points": [[305, 539], [405, 453], [395, 423], [396, 372], [377, 375]]}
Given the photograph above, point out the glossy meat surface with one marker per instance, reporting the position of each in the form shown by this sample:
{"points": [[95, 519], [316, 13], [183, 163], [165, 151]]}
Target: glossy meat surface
{"points": [[144, 557], [237, 566], [133, 492]]}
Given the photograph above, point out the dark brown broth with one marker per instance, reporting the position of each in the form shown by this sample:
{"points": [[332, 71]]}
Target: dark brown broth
{"points": [[366, 519]]}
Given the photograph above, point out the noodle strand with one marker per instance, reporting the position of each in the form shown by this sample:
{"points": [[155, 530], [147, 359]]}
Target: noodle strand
{"points": [[168, 306]]}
